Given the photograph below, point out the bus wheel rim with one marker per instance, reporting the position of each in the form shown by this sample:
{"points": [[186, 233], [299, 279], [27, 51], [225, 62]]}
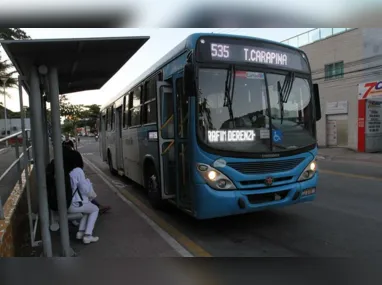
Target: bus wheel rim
{"points": [[152, 185]]}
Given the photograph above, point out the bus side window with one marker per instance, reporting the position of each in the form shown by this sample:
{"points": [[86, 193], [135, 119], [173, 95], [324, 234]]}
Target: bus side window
{"points": [[108, 119], [126, 112], [112, 118], [150, 107], [136, 110]]}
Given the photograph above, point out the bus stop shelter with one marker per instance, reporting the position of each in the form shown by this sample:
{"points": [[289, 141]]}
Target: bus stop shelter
{"points": [[48, 68]]}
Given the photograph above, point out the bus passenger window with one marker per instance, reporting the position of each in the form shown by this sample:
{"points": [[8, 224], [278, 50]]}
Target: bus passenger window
{"points": [[108, 119], [136, 107], [151, 111], [136, 116], [150, 106], [112, 119]]}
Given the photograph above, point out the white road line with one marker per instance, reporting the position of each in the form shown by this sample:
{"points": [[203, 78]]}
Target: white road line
{"points": [[4, 149], [169, 239]]}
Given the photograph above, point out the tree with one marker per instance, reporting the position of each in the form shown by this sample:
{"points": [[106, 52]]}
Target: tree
{"points": [[6, 68], [68, 128], [91, 114], [7, 72], [78, 116], [71, 113], [13, 34]]}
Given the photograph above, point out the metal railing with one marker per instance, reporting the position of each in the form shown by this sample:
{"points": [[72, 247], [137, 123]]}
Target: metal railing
{"points": [[22, 162], [314, 35]]}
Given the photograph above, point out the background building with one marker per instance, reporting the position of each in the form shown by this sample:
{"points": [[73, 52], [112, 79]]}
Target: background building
{"points": [[346, 63]]}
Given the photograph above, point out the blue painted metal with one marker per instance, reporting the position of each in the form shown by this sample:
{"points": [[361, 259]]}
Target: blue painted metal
{"points": [[207, 202]]}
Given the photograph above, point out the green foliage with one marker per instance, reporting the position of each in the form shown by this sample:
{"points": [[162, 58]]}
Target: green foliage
{"points": [[68, 128], [13, 34], [77, 116], [6, 68]]}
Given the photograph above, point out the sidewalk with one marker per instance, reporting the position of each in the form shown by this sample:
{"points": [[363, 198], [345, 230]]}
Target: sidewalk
{"points": [[122, 232], [339, 153]]}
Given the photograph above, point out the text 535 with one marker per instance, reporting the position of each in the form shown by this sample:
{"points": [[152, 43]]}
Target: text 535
{"points": [[219, 50]]}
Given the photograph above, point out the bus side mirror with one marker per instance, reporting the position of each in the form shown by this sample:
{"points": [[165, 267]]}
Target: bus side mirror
{"points": [[317, 104], [189, 79]]}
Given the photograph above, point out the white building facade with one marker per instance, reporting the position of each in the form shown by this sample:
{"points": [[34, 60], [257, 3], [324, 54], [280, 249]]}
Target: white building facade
{"points": [[347, 65]]}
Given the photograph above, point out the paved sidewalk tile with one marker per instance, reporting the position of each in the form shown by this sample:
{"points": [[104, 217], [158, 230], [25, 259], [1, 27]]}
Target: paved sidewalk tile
{"points": [[122, 232], [348, 154]]}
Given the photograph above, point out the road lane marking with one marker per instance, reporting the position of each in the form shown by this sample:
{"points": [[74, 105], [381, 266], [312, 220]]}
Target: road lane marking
{"points": [[359, 176], [181, 243], [4, 149]]}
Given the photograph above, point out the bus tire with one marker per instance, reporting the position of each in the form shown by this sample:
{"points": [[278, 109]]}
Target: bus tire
{"points": [[110, 162], [154, 192]]}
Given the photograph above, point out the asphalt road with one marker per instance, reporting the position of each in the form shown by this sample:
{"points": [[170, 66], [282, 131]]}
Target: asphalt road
{"points": [[344, 221]]}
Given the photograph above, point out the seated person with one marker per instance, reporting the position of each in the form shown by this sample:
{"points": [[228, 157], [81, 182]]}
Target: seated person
{"points": [[81, 203], [78, 161]]}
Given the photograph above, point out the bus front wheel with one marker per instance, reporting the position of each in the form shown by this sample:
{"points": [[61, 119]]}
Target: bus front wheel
{"points": [[154, 191]]}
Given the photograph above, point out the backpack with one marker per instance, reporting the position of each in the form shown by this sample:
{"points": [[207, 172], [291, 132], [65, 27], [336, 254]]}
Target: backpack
{"points": [[52, 190]]}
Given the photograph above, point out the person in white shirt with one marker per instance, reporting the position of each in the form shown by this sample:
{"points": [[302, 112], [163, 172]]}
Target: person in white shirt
{"points": [[83, 193]]}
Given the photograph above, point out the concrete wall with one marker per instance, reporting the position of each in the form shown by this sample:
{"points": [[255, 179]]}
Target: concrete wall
{"points": [[15, 228], [347, 47], [360, 49]]}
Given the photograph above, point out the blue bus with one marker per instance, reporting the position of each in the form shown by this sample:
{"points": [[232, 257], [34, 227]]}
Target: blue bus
{"points": [[221, 125]]}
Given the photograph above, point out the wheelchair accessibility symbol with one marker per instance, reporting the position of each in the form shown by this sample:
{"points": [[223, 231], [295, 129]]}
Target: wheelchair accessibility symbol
{"points": [[277, 136]]}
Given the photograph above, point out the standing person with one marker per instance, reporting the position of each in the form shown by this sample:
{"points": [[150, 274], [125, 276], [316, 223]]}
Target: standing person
{"points": [[82, 194], [68, 142]]}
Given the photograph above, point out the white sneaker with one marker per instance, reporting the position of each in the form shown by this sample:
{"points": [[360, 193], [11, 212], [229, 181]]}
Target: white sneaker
{"points": [[80, 235], [75, 223], [89, 239]]}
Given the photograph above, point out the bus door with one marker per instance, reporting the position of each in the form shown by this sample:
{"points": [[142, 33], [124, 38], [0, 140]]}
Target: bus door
{"points": [[181, 136], [118, 138], [166, 129]]}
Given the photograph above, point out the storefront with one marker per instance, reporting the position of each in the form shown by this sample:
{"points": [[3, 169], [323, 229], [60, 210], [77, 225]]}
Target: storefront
{"points": [[370, 117]]}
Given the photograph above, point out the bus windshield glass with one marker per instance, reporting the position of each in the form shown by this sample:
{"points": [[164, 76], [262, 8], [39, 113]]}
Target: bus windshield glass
{"points": [[240, 111]]}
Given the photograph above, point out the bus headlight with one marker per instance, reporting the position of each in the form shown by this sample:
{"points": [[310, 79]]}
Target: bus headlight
{"points": [[214, 178], [309, 171]]}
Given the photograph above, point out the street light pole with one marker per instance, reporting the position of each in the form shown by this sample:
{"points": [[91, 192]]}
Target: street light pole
{"points": [[5, 108]]}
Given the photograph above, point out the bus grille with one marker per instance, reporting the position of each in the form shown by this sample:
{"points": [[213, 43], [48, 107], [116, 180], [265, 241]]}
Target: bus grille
{"points": [[265, 167]]}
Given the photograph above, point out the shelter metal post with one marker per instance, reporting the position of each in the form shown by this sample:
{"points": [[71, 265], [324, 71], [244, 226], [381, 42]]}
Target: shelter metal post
{"points": [[39, 159], [58, 161], [26, 163], [46, 135]]}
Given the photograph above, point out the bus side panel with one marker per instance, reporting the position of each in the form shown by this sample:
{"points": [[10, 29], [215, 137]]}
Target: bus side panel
{"points": [[131, 159], [148, 149]]}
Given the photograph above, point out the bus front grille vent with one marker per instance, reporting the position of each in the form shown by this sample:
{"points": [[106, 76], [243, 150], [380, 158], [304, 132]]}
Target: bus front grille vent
{"points": [[264, 167]]}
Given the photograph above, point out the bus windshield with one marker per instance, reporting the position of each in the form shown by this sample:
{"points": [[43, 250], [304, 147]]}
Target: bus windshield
{"points": [[236, 108]]}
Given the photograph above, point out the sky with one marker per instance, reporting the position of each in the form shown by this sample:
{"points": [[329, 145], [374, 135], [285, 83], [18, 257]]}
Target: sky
{"points": [[161, 41]]}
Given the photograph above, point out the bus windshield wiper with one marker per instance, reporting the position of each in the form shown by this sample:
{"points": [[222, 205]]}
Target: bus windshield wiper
{"points": [[284, 92], [229, 88]]}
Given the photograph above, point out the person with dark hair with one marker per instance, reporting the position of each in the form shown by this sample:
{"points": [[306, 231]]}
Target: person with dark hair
{"points": [[76, 157], [82, 193], [68, 142]]}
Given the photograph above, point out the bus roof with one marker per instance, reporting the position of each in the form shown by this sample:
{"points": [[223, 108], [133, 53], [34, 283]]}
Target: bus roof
{"points": [[187, 44]]}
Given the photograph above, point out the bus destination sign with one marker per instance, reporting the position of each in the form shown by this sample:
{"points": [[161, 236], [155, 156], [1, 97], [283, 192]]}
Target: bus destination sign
{"points": [[261, 54]]}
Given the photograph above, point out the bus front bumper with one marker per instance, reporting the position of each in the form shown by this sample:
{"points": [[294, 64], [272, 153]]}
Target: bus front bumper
{"points": [[211, 203]]}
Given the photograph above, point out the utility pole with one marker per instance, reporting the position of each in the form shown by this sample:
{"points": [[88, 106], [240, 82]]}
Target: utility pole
{"points": [[5, 79]]}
